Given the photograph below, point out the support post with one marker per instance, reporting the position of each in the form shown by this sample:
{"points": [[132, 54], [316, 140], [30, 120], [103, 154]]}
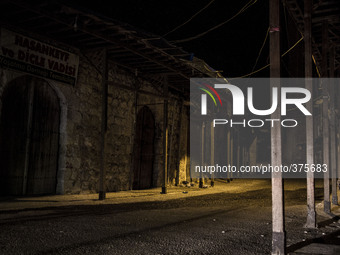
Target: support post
{"points": [[171, 139], [165, 137], [200, 184], [278, 235], [325, 121], [135, 106], [134, 123], [228, 153], [332, 126], [212, 151], [238, 158], [231, 152], [311, 215], [102, 188], [336, 85], [180, 135]]}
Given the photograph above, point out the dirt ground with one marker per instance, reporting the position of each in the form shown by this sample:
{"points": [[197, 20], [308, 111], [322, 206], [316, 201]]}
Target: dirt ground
{"points": [[230, 218]]}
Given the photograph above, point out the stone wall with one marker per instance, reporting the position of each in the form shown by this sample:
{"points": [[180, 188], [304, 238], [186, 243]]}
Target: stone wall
{"points": [[83, 129]]}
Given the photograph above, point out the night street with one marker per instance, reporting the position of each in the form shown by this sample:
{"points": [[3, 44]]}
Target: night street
{"points": [[231, 218], [170, 127]]}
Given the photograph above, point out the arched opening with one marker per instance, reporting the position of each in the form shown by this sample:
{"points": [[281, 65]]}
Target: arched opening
{"points": [[144, 149], [29, 137]]}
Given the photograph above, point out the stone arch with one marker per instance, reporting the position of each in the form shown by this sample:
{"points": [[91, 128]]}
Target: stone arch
{"points": [[6, 78]]}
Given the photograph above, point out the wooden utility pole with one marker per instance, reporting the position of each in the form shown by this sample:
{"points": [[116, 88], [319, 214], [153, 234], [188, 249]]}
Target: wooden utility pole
{"points": [[311, 216], [336, 85], [212, 151], [200, 184], [278, 235], [102, 191], [332, 126], [165, 137], [228, 154], [231, 152], [180, 137], [238, 158], [325, 121]]}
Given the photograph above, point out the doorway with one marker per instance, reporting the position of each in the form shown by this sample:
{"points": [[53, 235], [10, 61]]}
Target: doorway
{"points": [[144, 149], [29, 138]]}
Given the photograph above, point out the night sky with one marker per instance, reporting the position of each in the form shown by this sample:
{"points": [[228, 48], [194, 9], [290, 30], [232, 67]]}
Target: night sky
{"points": [[232, 48]]}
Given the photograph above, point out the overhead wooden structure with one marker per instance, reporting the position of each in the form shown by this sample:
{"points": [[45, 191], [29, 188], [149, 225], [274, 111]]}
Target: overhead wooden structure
{"points": [[138, 51], [322, 10]]}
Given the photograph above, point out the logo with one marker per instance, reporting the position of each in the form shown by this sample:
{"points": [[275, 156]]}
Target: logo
{"points": [[239, 100], [204, 98]]}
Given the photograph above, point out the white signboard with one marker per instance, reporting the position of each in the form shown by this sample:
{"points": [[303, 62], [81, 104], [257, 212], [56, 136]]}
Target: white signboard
{"points": [[28, 55]]}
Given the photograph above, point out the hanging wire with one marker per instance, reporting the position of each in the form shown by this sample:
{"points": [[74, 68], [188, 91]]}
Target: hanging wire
{"points": [[317, 69], [249, 4], [263, 44], [258, 70], [292, 46], [193, 16]]}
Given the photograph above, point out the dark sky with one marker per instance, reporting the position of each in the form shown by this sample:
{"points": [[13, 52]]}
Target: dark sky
{"points": [[232, 47]]}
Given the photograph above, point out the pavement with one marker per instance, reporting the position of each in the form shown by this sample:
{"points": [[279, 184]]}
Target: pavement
{"points": [[229, 218]]}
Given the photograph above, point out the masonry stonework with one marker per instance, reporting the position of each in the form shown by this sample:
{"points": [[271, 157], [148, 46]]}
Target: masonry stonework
{"points": [[83, 129]]}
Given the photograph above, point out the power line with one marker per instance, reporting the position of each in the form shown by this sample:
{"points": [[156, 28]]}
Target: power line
{"points": [[258, 70], [193, 16], [263, 44], [249, 4]]}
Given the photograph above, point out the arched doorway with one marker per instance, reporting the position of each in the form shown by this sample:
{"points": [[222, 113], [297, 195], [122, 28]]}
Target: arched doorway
{"points": [[29, 138], [144, 149]]}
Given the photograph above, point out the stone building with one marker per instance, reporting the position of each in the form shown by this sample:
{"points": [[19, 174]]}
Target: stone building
{"points": [[87, 103]]}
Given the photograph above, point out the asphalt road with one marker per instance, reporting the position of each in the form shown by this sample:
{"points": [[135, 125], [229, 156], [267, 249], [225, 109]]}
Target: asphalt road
{"points": [[221, 223]]}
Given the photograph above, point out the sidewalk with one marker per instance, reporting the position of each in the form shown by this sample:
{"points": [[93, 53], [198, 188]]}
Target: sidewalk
{"points": [[131, 196]]}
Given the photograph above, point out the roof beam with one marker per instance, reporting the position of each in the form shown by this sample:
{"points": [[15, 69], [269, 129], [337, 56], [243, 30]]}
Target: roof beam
{"points": [[88, 31]]}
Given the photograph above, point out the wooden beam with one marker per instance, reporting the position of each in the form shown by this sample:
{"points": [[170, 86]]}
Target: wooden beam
{"points": [[133, 148], [200, 184], [212, 151], [165, 137], [278, 231], [103, 37], [311, 215], [325, 121], [102, 186], [332, 167], [180, 135]]}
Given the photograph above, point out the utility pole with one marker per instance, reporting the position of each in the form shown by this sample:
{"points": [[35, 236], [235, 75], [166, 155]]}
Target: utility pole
{"points": [[102, 190], [332, 126], [212, 151], [200, 184], [311, 216], [278, 235], [165, 137], [325, 121]]}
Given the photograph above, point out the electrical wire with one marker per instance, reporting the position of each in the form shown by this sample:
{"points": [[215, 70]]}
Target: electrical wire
{"points": [[263, 44], [258, 70], [249, 4], [292, 47], [193, 16], [316, 66]]}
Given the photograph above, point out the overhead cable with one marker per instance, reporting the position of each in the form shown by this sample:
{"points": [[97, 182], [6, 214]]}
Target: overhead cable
{"points": [[249, 4], [193, 16]]}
